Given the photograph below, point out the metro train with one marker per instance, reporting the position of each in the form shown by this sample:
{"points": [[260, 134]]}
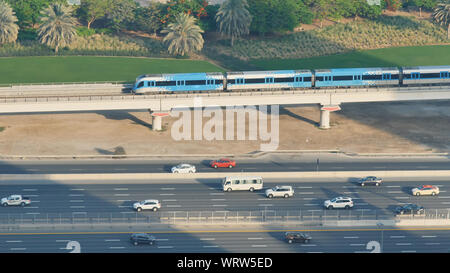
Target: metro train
{"points": [[291, 79]]}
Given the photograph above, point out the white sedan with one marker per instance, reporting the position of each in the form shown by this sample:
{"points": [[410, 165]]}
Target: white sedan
{"points": [[183, 168]]}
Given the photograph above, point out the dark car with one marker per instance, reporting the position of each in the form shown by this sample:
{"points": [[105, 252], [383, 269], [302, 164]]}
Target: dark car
{"points": [[410, 209], [297, 237], [370, 180], [142, 238]]}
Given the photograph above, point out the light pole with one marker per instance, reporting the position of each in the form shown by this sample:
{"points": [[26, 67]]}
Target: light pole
{"points": [[380, 225]]}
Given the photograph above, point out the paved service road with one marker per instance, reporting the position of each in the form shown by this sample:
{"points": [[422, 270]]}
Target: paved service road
{"points": [[268, 163], [207, 195], [271, 241]]}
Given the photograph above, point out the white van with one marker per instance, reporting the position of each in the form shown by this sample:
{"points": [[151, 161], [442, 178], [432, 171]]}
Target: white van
{"points": [[246, 183]]}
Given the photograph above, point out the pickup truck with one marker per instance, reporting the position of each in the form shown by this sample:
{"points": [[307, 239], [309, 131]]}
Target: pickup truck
{"points": [[15, 200]]}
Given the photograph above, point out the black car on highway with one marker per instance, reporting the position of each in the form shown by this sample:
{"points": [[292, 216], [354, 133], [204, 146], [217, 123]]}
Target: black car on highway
{"points": [[297, 237], [410, 209], [142, 238], [370, 180]]}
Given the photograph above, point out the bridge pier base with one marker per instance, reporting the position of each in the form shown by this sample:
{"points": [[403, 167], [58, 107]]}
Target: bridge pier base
{"points": [[325, 115], [157, 119]]}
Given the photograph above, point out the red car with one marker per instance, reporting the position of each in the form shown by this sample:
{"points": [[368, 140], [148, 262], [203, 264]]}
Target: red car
{"points": [[223, 163]]}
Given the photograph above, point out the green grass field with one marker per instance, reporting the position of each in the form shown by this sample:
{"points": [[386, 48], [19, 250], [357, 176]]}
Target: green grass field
{"points": [[397, 56], [91, 69]]}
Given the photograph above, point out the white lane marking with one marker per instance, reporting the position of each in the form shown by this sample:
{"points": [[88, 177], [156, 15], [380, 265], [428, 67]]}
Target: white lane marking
{"points": [[308, 245], [33, 213], [30, 207], [311, 204], [14, 241], [264, 199], [79, 212], [217, 193], [167, 194], [350, 192], [218, 199], [32, 170], [313, 210], [116, 247], [121, 194], [76, 201], [120, 189], [429, 236], [350, 187], [309, 199], [305, 192], [396, 237], [432, 244], [402, 197], [403, 244], [169, 200], [314, 252], [259, 245], [207, 239], [77, 189], [352, 237], [165, 246], [112, 240], [62, 241], [443, 196], [120, 169], [409, 251], [173, 206], [17, 249], [124, 206], [167, 189], [127, 212], [77, 207], [29, 190], [210, 246], [123, 200], [76, 169], [220, 205], [265, 205], [255, 238], [32, 195], [362, 204], [35, 201], [158, 240], [357, 244], [442, 191], [304, 187], [393, 186], [76, 195], [394, 192]]}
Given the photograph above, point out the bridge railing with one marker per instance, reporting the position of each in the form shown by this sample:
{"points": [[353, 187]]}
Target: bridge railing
{"points": [[300, 217]]}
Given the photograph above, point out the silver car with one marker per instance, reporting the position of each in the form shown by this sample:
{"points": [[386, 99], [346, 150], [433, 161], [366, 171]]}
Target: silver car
{"points": [[339, 203], [280, 191], [147, 205], [183, 168]]}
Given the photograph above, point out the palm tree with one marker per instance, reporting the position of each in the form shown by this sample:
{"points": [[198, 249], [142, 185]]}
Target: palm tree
{"points": [[8, 27], [234, 19], [58, 26], [441, 15], [183, 35]]}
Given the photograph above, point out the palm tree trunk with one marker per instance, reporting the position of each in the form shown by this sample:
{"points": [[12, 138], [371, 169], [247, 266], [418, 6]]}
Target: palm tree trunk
{"points": [[448, 32], [232, 40], [56, 49]]}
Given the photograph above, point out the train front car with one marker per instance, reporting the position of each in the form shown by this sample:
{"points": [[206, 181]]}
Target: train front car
{"points": [[348, 77], [182, 82], [267, 80], [426, 75]]}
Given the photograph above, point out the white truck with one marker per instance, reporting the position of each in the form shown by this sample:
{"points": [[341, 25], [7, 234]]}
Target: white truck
{"points": [[15, 200]]}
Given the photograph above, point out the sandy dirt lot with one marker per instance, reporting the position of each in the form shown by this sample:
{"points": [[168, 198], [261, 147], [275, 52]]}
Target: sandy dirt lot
{"points": [[363, 127]]}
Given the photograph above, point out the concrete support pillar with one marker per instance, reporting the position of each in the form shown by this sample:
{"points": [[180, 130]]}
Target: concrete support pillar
{"points": [[325, 115], [157, 119], [324, 119]]}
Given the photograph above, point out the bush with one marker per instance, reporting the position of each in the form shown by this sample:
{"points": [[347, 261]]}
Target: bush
{"points": [[84, 31], [27, 34]]}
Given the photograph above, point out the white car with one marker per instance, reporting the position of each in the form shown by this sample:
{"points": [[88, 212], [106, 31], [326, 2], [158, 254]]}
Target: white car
{"points": [[280, 191], [425, 190], [183, 168], [339, 203], [151, 204]]}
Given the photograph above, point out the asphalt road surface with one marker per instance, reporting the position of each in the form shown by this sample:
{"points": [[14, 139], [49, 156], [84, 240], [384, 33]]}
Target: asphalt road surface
{"points": [[271, 241], [268, 163], [207, 195]]}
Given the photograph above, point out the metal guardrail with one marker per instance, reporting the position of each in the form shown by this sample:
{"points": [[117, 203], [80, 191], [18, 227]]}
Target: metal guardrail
{"points": [[62, 83], [319, 217]]}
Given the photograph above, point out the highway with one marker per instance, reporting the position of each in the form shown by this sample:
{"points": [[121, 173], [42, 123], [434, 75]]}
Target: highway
{"points": [[267, 163], [207, 195], [419, 240]]}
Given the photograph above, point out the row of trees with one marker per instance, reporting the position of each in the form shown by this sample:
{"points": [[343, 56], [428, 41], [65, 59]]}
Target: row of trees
{"points": [[184, 21]]}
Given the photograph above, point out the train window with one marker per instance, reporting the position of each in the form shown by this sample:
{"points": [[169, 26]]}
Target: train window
{"points": [[286, 79], [386, 76], [181, 82], [371, 77], [151, 83], [219, 81], [357, 77], [445, 74], [166, 83], [231, 81], [343, 78], [240, 81], [196, 82], [328, 78], [307, 79], [430, 76], [319, 78], [141, 84], [269, 80], [254, 81]]}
